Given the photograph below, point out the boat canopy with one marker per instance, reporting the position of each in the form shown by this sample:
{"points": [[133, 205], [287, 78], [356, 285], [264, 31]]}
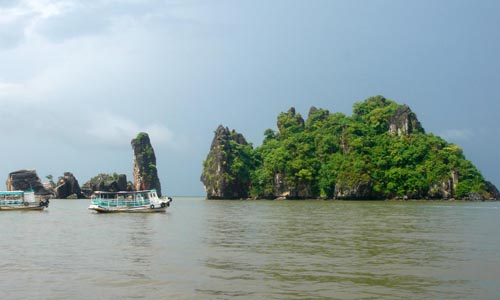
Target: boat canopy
{"points": [[8, 193], [124, 192]]}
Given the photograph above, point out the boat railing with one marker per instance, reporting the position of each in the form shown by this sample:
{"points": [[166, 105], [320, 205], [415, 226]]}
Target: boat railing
{"points": [[121, 202], [11, 202], [16, 197], [125, 199]]}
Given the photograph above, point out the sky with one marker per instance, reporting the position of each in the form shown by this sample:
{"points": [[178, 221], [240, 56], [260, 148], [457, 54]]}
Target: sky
{"points": [[80, 79]]}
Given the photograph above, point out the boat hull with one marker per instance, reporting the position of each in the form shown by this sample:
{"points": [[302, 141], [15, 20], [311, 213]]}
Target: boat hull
{"points": [[9, 208], [106, 210]]}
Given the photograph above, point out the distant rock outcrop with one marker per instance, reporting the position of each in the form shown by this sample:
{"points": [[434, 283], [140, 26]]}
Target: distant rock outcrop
{"points": [[26, 180], [360, 189], [285, 190], [285, 184], [446, 188], [145, 171], [290, 122], [226, 169], [493, 191], [404, 122], [106, 183], [68, 187]]}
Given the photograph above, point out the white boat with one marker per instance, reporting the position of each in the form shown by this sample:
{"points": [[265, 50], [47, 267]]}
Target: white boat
{"points": [[146, 201], [21, 200]]}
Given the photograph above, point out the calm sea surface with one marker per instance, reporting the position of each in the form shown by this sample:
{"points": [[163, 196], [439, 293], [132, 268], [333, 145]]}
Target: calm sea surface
{"points": [[254, 250]]}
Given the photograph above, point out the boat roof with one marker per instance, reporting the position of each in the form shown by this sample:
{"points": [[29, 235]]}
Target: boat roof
{"points": [[3, 193], [125, 192]]}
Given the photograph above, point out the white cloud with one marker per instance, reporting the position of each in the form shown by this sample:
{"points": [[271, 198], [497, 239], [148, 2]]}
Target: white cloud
{"points": [[14, 92], [85, 87], [49, 8], [13, 21], [58, 20], [11, 14], [18, 20], [8, 3], [113, 130], [160, 134], [7, 88]]}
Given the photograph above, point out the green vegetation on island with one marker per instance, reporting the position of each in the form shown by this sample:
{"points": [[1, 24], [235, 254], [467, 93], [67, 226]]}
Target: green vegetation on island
{"points": [[145, 171], [380, 152]]}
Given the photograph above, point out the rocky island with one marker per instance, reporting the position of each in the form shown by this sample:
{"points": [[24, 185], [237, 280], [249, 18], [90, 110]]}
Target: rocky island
{"points": [[67, 186], [145, 171], [380, 152], [107, 183], [25, 180]]}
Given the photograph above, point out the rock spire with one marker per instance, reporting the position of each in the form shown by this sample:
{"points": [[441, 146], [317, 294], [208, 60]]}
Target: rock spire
{"points": [[145, 171], [226, 169]]}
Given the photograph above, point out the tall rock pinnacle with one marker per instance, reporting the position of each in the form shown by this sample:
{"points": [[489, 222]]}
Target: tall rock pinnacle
{"points": [[145, 171], [226, 171]]}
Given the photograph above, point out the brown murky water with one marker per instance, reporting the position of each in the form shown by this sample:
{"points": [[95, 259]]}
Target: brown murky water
{"points": [[254, 250]]}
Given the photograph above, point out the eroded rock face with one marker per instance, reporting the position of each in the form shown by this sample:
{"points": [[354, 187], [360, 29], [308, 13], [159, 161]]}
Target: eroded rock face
{"points": [[25, 180], [67, 186], [290, 122], [404, 122], [106, 183], [492, 190], [219, 180], [145, 171], [359, 190], [280, 190], [297, 190], [444, 189], [287, 185]]}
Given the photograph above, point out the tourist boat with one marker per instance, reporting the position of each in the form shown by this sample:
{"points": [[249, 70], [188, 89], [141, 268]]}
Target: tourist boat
{"points": [[21, 200], [130, 202]]}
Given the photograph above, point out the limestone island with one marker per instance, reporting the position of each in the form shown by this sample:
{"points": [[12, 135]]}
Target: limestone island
{"points": [[67, 187], [380, 152]]}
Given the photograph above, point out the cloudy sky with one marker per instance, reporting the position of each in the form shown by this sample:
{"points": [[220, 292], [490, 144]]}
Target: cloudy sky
{"points": [[79, 79]]}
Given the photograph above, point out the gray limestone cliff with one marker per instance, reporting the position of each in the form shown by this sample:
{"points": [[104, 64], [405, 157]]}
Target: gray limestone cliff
{"points": [[145, 171], [404, 122], [361, 188], [106, 183], [26, 180], [226, 169], [68, 187], [492, 190], [287, 185]]}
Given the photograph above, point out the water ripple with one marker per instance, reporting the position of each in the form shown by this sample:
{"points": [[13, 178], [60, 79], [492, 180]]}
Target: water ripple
{"points": [[254, 250]]}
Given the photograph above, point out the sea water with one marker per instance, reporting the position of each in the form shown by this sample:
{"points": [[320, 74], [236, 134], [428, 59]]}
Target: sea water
{"points": [[203, 249]]}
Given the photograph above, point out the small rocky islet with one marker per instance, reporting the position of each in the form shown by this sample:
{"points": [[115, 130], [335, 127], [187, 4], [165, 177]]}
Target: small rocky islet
{"points": [[67, 187], [380, 152]]}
